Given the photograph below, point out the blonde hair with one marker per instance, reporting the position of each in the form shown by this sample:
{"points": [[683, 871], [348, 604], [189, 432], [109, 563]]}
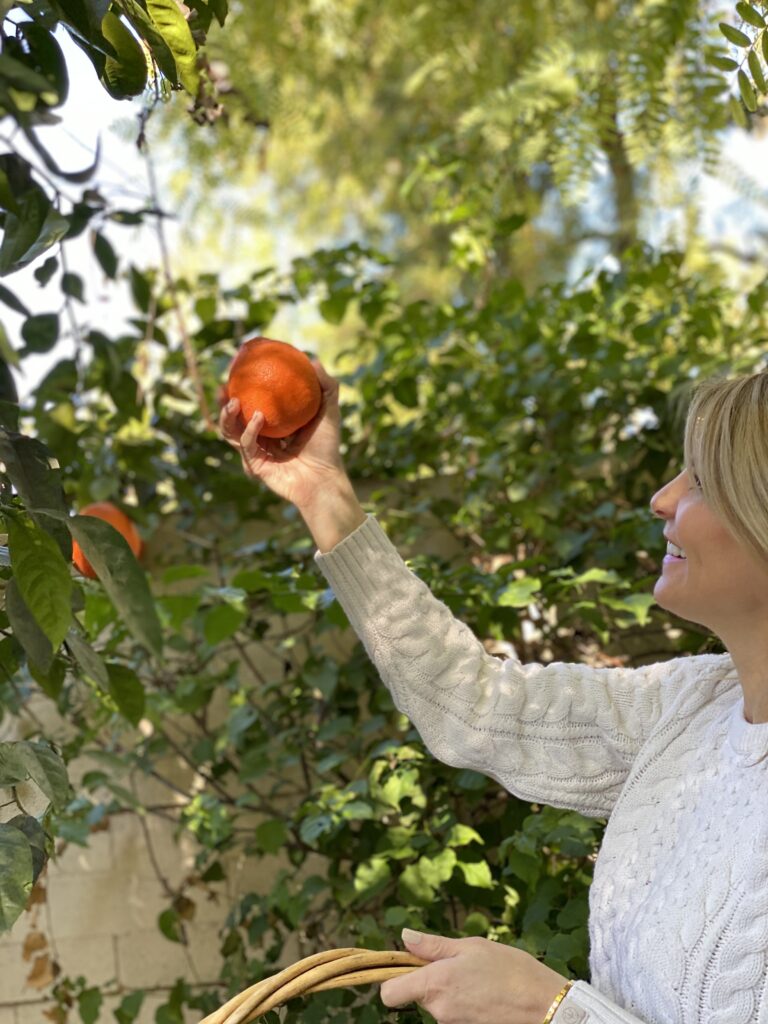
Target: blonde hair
{"points": [[726, 446]]}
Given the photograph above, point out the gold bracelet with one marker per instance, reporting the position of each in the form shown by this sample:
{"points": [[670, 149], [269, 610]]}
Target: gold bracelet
{"points": [[558, 999]]}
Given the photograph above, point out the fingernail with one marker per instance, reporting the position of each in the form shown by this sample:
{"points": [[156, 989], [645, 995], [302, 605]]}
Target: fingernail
{"points": [[409, 935], [231, 404]]}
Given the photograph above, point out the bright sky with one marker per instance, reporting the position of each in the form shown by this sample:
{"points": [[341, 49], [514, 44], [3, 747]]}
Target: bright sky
{"points": [[90, 113]]}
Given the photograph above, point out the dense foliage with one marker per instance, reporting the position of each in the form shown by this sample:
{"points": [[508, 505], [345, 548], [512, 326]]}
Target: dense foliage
{"points": [[526, 426]]}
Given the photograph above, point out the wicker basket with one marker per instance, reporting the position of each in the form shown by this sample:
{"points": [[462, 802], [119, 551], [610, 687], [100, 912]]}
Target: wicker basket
{"points": [[336, 968]]}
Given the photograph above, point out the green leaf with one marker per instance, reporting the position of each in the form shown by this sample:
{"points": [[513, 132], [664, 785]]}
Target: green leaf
{"points": [[765, 47], [21, 76], [371, 876], [594, 576], [47, 770], [757, 71], [42, 576], [174, 29], [25, 628], [22, 229], [12, 767], [40, 332], [271, 836], [170, 925], [13, 301], [72, 285], [89, 1004], [148, 31], [121, 576], [735, 35], [129, 1008], [723, 63], [36, 476], [126, 74], [45, 271], [518, 593], [463, 835], [222, 622], [437, 870], [46, 56], [35, 834], [105, 254], [50, 682], [748, 94], [477, 874], [333, 308], [15, 874], [9, 355], [750, 15], [127, 691], [91, 663], [413, 886]]}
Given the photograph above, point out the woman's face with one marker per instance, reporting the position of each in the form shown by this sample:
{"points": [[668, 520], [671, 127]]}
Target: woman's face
{"points": [[720, 584]]}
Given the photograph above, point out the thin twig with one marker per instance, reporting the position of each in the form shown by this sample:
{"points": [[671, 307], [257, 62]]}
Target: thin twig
{"points": [[189, 351]]}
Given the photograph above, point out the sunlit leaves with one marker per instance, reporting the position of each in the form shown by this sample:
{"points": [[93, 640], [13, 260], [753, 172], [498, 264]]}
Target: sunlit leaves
{"points": [[126, 73], [174, 29]]}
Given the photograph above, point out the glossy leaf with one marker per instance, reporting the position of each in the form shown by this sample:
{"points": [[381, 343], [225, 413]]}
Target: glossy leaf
{"points": [[127, 691], [33, 830], [150, 33], [91, 663], [122, 577], [36, 476], [173, 27], [26, 629], [42, 576], [15, 874], [126, 73]]}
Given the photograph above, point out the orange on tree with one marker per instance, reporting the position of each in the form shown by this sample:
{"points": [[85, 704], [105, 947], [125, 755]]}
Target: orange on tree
{"points": [[276, 379], [115, 517]]}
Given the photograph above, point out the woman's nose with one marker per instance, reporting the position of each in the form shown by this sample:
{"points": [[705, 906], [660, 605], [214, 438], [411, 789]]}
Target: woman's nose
{"points": [[663, 501]]}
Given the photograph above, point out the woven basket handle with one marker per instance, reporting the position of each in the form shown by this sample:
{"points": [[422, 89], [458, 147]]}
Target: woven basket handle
{"points": [[335, 968]]}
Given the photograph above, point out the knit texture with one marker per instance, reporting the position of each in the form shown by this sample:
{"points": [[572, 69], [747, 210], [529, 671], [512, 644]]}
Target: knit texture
{"points": [[679, 903]]}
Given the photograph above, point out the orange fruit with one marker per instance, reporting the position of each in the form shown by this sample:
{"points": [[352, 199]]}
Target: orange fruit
{"points": [[276, 379], [115, 517]]}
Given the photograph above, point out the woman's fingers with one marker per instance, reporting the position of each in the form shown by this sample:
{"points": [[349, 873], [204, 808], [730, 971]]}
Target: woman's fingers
{"points": [[250, 436], [229, 422]]}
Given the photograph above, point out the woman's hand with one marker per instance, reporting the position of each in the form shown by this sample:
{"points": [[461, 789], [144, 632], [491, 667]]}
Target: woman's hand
{"points": [[299, 466], [474, 981]]}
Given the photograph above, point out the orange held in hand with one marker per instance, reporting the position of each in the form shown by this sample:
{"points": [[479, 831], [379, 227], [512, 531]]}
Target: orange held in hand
{"points": [[276, 379], [115, 517]]}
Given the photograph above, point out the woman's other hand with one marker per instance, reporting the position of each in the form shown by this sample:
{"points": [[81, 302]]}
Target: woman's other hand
{"points": [[474, 981]]}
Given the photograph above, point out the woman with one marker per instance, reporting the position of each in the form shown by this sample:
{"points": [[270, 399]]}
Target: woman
{"points": [[674, 754]]}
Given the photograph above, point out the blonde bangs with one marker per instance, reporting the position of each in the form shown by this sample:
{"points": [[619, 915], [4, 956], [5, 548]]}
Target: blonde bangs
{"points": [[726, 446]]}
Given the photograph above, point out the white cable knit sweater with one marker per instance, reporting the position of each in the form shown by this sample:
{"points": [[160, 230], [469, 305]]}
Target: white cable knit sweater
{"points": [[679, 902]]}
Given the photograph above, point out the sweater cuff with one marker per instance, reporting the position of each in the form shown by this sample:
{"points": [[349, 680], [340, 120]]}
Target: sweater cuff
{"points": [[355, 552], [585, 1005]]}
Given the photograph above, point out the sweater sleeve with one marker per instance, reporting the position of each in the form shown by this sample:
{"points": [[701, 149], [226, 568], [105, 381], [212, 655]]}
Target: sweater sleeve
{"points": [[585, 1005], [561, 734]]}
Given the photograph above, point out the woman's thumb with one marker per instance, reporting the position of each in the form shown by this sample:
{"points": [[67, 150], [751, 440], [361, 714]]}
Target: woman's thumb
{"points": [[429, 947]]}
